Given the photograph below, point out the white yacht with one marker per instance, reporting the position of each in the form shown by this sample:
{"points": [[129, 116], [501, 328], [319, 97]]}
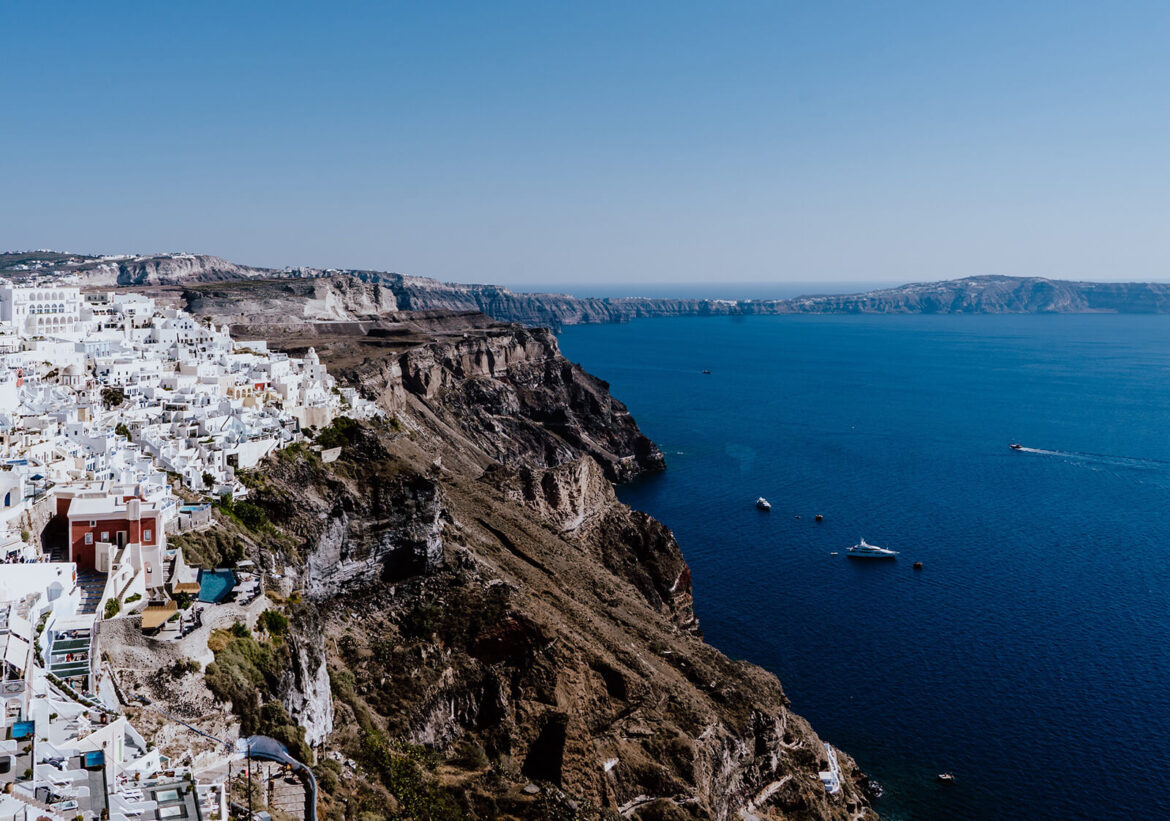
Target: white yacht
{"points": [[865, 550], [763, 504]]}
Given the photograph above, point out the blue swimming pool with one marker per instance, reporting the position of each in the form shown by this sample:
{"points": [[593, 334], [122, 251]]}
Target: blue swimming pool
{"points": [[215, 585]]}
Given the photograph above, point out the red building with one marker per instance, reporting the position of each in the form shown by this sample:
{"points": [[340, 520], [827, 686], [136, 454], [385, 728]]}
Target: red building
{"points": [[114, 521]]}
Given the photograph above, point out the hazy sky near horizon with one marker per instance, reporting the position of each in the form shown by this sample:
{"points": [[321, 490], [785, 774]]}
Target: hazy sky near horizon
{"points": [[596, 142]]}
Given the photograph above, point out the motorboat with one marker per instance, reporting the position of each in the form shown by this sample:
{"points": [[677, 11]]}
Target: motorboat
{"points": [[1016, 446], [865, 550], [763, 504], [946, 778]]}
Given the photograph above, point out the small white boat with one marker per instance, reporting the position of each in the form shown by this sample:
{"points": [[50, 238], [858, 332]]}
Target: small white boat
{"points": [[763, 504], [865, 550]]}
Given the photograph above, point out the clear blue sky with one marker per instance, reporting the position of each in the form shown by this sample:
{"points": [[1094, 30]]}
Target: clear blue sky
{"points": [[626, 141]]}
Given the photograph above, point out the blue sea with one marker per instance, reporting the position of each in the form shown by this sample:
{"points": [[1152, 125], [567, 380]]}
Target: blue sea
{"points": [[1031, 654]]}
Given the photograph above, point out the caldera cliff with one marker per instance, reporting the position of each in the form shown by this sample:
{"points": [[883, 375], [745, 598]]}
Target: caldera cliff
{"points": [[499, 635]]}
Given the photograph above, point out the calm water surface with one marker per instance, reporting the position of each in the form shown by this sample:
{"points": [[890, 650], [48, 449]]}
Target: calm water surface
{"points": [[1031, 656]]}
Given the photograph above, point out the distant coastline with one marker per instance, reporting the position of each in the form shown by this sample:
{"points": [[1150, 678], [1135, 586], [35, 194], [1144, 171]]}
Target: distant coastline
{"points": [[205, 278]]}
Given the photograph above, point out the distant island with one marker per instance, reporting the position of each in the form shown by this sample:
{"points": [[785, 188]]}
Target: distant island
{"points": [[365, 295]]}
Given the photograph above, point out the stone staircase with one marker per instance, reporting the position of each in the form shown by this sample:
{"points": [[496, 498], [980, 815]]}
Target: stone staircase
{"points": [[93, 585]]}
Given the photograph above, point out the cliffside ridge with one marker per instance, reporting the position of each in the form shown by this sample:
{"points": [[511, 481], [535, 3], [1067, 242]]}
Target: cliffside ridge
{"points": [[319, 295]]}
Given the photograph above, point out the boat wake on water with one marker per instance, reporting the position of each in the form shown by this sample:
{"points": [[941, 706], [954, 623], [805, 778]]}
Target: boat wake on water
{"points": [[1133, 462]]}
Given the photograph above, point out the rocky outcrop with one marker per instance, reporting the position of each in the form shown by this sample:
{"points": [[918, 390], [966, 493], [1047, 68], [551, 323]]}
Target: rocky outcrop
{"points": [[567, 496], [523, 403], [171, 268], [280, 301], [509, 393], [304, 688], [381, 524], [153, 269]]}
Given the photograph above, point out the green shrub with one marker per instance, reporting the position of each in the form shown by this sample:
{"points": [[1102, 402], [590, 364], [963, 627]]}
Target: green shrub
{"points": [[242, 672], [250, 479], [113, 607], [122, 430], [241, 631], [274, 622], [250, 515], [403, 771], [133, 597], [209, 548], [328, 774], [344, 431], [295, 451]]}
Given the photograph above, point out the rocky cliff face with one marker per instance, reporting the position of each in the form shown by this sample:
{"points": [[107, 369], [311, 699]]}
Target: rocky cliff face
{"points": [[481, 591]]}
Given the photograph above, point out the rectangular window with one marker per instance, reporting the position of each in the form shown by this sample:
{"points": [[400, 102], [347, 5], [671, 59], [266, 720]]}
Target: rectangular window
{"points": [[146, 534], [93, 523], [89, 538], [105, 535]]}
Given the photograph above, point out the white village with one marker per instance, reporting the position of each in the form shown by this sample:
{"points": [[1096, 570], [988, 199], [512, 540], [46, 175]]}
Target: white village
{"points": [[122, 421]]}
